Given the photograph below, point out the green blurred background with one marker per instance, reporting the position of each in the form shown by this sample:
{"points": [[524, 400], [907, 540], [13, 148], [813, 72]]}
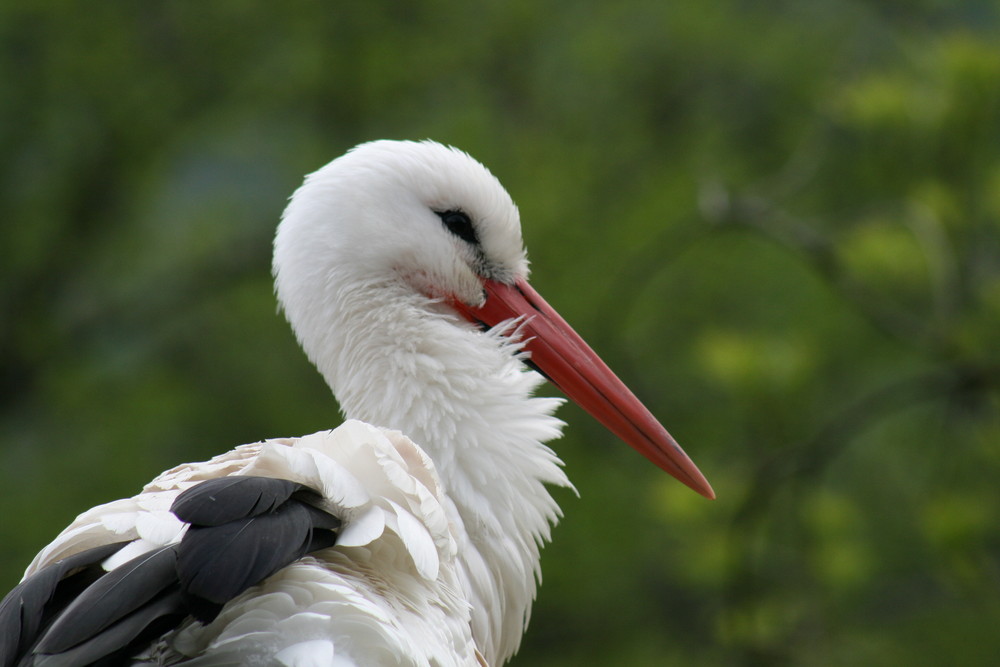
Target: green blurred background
{"points": [[780, 221]]}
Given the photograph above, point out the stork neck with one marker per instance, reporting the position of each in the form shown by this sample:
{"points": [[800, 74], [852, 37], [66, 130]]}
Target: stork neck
{"points": [[462, 395]]}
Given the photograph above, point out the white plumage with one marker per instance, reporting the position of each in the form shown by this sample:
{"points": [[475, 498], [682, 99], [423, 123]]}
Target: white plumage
{"points": [[388, 262], [387, 594]]}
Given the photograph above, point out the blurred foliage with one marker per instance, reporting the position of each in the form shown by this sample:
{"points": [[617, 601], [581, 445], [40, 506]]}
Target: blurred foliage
{"points": [[780, 221]]}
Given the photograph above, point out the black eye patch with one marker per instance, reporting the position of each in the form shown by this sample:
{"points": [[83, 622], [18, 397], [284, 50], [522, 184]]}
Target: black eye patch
{"points": [[459, 224]]}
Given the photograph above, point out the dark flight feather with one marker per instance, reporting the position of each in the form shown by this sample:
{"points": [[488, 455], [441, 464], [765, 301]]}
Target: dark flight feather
{"points": [[218, 501], [29, 608], [111, 598], [217, 563], [119, 641], [242, 530]]}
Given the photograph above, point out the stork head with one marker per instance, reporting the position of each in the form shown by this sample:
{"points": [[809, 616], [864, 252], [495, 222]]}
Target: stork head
{"points": [[429, 220], [419, 212]]}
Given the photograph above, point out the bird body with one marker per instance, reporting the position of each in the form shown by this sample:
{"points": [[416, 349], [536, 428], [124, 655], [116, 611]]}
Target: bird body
{"points": [[401, 269], [387, 593]]}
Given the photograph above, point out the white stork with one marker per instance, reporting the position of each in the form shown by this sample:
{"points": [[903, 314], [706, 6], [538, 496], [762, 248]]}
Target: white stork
{"points": [[401, 269]]}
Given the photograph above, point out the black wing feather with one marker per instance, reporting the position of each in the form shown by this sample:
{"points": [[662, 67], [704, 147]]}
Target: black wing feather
{"points": [[243, 529], [218, 501], [30, 606], [268, 524], [114, 644], [217, 563], [111, 598]]}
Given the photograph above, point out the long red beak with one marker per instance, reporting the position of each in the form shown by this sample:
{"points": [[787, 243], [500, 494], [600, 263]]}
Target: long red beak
{"points": [[563, 357]]}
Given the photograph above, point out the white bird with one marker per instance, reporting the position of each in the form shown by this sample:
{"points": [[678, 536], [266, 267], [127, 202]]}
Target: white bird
{"points": [[401, 269]]}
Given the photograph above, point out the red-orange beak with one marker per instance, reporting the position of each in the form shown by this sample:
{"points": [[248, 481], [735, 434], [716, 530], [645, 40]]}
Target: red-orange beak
{"points": [[563, 357]]}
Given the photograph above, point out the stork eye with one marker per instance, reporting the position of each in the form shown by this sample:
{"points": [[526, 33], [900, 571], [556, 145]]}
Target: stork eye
{"points": [[459, 224]]}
